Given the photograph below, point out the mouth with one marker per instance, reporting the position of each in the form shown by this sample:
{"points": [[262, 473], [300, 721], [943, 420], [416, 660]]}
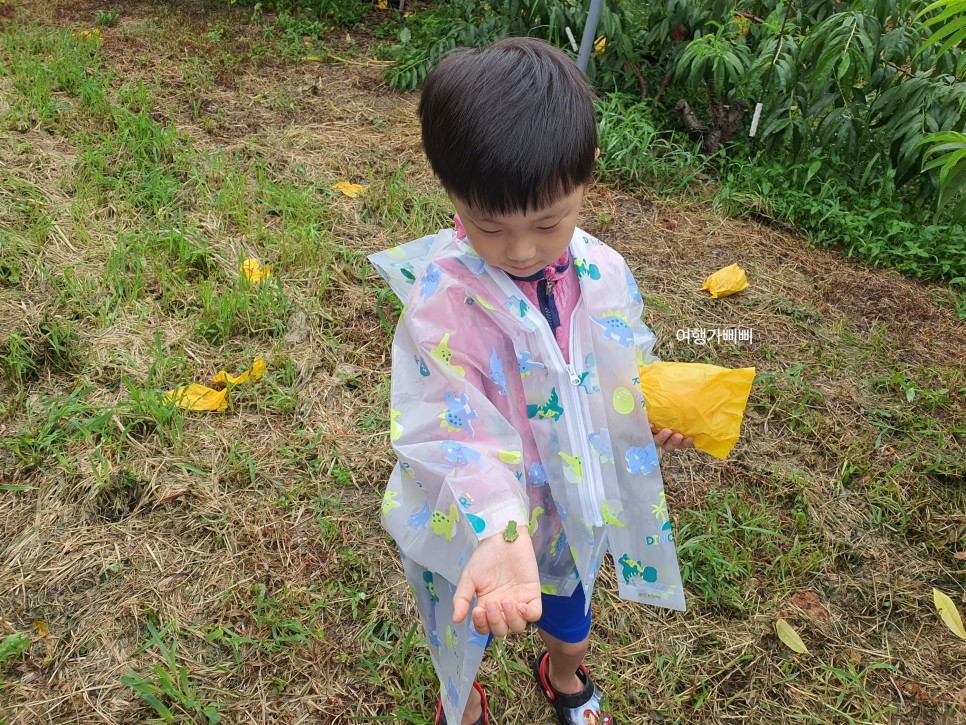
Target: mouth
{"points": [[522, 271]]}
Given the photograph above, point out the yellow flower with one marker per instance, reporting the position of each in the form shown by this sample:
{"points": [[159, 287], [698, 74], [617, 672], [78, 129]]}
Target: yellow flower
{"points": [[600, 45], [93, 35]]}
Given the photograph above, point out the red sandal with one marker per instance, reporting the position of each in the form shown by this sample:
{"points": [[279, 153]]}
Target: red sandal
{"points": [[580, 708], [484, 716]]}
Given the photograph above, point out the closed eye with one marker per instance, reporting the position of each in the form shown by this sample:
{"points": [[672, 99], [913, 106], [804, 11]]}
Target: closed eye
{"points": [[550, 228], [489, 231]]}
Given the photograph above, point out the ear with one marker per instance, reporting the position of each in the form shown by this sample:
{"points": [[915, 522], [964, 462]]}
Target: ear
{"points": [[597, 153]]}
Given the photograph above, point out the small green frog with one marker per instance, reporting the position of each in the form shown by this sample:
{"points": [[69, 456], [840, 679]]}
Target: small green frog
{"points": [[510, 532]]}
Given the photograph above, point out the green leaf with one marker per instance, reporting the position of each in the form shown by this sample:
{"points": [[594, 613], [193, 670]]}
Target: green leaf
{"points": [[13, 645]]}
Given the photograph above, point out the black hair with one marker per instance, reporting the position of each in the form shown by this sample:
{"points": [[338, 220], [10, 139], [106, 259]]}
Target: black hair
{"points": [[509, 128]]}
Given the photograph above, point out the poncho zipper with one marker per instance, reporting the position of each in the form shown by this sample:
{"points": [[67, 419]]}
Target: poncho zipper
{"points": [[587, 491]]}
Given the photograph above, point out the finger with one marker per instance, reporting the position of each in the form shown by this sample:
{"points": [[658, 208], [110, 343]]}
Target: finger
{"points": [[465, 591], [494, 617], [688, 442], [676, 440], [662, 436], [514, 620], [479, 620], [532, 611]]}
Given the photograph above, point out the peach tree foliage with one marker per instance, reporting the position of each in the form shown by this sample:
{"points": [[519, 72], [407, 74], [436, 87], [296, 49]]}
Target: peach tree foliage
{"points": [[878, 81]]}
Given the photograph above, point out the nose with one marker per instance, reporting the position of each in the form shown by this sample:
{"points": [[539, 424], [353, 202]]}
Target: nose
{"points": [[520, 249]]}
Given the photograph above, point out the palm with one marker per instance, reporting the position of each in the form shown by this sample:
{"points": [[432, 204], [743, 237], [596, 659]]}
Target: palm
{"points": [[504, 578]]}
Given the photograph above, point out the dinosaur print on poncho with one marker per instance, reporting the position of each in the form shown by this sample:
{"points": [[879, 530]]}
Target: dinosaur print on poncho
{"points": [[631, 569], [496, 373], [442, 353], [641, 460], [457, 414], [526, 364], [551, 409], [443, 525], [616, 328]]}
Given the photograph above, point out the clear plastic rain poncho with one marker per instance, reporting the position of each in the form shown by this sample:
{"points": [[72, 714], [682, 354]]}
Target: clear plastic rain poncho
{"points": [[491, 425]]}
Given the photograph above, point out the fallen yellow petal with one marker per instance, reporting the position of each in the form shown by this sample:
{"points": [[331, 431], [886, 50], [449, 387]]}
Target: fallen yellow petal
{"points": [[349, 189], [198, 397], [256, 371], [254, 272], [790, 637], [600, 45], [382, 5], [726, 281], [948, 612]]}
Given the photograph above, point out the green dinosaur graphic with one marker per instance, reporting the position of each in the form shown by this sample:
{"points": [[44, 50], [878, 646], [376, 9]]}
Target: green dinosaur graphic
{"points": [[443, 525], [610, 518], [537, 511], [389, 502]]}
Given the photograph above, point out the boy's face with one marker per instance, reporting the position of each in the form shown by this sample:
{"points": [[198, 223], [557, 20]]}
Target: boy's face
{"points": [[518, 243]]}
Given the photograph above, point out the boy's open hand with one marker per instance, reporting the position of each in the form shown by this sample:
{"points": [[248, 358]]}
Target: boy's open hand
{"points": [[503, 577], [671, 441]]}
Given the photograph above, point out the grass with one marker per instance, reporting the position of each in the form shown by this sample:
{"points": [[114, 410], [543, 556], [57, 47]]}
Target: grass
{"points": [[186, 567]]}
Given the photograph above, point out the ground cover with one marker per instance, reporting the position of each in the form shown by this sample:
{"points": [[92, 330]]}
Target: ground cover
{"points": [[203, 566]]}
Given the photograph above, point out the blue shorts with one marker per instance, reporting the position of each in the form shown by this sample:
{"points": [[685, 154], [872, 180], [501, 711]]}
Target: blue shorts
{"points": [[564, 617]]}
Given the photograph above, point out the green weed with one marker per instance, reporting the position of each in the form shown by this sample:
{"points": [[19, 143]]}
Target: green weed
{"points": [[291, 616], [106, 18], [725, 546], [168, 689]]}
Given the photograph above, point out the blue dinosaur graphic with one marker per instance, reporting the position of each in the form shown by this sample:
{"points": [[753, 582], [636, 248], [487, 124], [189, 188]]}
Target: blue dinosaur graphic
{"points": [[451, 691], [420, 519], [631, 568], [457, 414], [430, 281], [527, 364], [551, 409], [615, 328], [473, 263], [536, 476], [496, 373], [517, 306], [458, 453], [477, 638], [641, 460], [558, 545], [588, 379], [423, 369], [601, 445]]}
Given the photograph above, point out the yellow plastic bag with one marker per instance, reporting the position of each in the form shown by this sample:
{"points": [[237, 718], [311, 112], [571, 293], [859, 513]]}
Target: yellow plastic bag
{"points": [[694, 399], [255, 272], [199, 398], [255, 373], [726, 281]]}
